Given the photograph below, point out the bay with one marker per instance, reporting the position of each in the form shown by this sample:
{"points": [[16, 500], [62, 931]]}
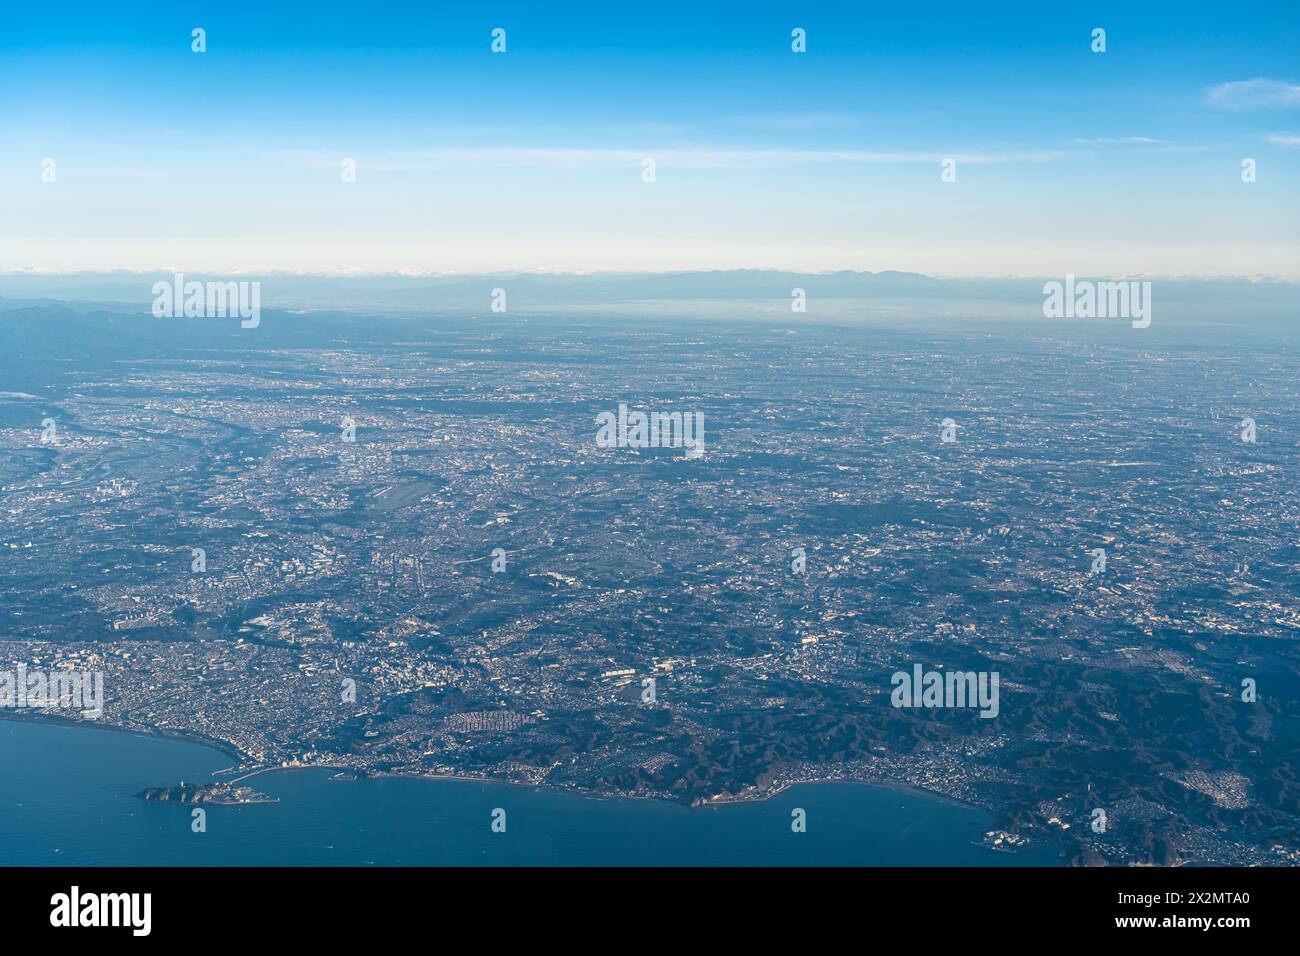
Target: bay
{"points": [[67, 797]]}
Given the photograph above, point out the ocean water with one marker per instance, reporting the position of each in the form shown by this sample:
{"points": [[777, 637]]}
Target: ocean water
{"points": [[67, 797]]}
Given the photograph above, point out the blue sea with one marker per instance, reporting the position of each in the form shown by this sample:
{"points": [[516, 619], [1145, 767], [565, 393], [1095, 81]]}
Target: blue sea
{"points": [[67, 797]]}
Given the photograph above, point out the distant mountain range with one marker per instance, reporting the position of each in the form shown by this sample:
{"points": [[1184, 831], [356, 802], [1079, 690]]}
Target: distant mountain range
{"points": [[547, 292]]}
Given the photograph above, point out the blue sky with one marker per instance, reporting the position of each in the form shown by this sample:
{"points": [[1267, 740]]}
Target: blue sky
{"points": [[1127, 162]]}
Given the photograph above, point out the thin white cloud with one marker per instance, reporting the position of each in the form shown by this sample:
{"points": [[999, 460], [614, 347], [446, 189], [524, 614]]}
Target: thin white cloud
{"points": [[150, 175], [798, 121], [1284, 139], [1119, 141], [691, 158], [1258, 93], [1142, 144]]}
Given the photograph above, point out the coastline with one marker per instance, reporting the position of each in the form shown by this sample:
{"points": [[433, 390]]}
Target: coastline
{"points": [[885, 784], [1043, 851], [223, 747], [232, 752], [749, 797]]}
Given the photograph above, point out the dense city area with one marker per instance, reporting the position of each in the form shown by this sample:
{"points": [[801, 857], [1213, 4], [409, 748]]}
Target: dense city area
{"points": [[395, 546]]}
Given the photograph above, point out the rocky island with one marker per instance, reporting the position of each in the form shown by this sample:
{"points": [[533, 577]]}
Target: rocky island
{"points": [[218, 794]]}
